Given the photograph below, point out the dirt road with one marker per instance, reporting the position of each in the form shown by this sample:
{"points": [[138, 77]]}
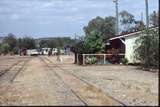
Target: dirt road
{"points": [[37, 85], [44, 81]]}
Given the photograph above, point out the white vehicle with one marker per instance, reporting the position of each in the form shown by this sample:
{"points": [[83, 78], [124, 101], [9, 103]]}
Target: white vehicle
{"points": [[32, 52], [62, 51], [45, 51], [54, 51]]}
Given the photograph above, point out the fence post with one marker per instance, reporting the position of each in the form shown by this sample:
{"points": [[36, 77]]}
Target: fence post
{"points": [[77, 59], [83, 59], [104, 58]]}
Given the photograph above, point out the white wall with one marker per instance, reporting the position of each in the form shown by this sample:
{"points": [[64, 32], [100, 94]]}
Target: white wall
{"points": [[130, 46]]}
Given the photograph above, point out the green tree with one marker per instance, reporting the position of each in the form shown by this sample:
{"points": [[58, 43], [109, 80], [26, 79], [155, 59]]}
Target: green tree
{"points": [[147, 48], [139, 25], [43, 43], [94, 43], [104, 26], [52, 44], [154, 17], [127, 21], [11, 41], [5, 48], [26, 42], [97, 33], [79, 48], [58, 42]]}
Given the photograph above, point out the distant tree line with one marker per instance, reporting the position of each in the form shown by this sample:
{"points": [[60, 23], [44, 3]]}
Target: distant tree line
{"points": [[57, 42], [12, 45]]}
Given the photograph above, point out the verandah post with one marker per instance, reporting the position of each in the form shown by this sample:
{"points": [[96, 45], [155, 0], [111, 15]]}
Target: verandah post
{"points": [[104, 58], [77, 59], [83, 59]]}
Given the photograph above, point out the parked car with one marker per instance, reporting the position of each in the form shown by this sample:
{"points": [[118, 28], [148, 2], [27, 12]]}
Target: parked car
{"points": [[32, 52]]}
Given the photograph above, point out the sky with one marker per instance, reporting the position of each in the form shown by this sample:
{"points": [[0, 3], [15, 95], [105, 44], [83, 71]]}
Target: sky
{"points": [[55, 18]]}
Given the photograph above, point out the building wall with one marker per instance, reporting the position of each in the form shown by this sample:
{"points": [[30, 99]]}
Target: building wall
{"points": [[130, 46]]}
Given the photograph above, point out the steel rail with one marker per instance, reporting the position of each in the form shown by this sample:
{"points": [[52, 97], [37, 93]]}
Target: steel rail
{"points": [[85, 104], [19, 70], [6, 70], [56, 65]]}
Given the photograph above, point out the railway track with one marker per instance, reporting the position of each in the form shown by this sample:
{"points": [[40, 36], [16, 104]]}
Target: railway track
{"points": [[6, 70], [11, 73], [86, 92], [43, 60]]}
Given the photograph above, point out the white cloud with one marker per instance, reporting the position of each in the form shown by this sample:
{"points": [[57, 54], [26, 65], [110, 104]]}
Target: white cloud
{"points": [[15, 17], [74, 9], [45, 22], [73, 19], [47, 5]]}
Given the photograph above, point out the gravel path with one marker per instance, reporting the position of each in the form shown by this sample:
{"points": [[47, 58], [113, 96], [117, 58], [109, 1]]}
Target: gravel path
{"points": [[125, 83], [37, 85], [88, 93], [6, 62], [41, 82]]}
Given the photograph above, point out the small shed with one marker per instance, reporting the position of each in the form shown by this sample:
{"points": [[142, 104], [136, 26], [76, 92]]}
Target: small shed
{"points": [[126, 43]]}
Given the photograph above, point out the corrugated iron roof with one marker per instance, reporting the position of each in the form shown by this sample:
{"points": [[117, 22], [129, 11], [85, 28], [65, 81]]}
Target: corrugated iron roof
{"points": [[130, 34]]}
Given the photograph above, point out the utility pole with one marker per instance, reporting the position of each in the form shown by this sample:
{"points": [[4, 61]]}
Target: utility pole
{"points": [[147, 17], [147, 44], [141, 16], [117, 20], [75, 37], [76, 54]]}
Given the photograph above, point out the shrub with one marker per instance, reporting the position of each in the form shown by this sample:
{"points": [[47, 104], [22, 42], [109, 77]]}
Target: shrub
{"points": [[15, 50], [147, 48], [91, 60], [124, 61], [5, 48]]}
